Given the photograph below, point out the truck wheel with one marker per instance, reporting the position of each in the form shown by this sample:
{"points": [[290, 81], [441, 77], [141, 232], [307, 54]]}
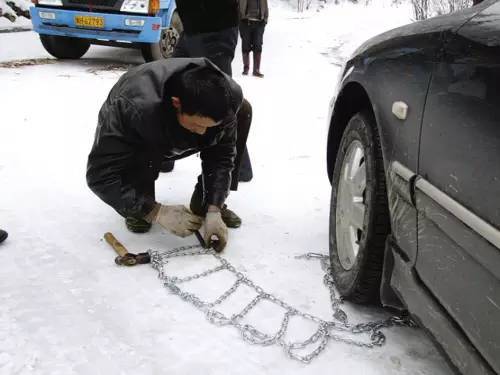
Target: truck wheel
{"points": [[359, 215], [168, 40], [63, 47]]}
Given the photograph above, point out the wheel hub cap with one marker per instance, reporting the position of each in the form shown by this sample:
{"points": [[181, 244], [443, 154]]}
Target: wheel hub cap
{"points": [[350, 209], [168, 41]]}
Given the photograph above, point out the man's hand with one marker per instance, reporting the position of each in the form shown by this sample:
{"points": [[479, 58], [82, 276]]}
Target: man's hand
{"points": [[215, 227], [178, 220]]}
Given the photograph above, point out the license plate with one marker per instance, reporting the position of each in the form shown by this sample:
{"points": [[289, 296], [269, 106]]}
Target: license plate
{"points": [[89, 21]]}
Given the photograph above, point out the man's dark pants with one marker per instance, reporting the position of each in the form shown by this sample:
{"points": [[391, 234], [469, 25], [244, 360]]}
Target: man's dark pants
{"points": [[217, 46], [252, 35]]}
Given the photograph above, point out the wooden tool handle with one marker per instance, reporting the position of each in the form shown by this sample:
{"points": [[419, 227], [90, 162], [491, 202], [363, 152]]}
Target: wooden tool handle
{"points": [[115, 244]]}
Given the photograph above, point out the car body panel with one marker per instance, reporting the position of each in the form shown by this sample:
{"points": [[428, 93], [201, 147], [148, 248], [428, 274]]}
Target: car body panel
{"points": [[435, 25], [459, 258], [407, 64], [398, 70]]}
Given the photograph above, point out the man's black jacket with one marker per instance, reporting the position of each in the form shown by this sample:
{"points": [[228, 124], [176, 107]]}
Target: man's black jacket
{"points": [[206, 16], [138, 121]]}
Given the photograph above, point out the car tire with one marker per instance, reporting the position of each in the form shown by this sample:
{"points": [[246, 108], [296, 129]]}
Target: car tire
{"points": [[359, 215], [169, 38], [63, 47]]}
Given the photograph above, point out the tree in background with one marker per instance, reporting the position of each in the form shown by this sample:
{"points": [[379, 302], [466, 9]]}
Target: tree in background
{"points": [[421, 9], [11, 9], [424, 9]]}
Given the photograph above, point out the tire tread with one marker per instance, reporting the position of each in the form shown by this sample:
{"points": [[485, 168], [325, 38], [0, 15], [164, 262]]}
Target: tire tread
{"points": [[366, 286]]}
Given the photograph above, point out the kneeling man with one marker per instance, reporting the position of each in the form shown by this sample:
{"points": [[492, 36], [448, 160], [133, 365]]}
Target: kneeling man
{"points": [[170, 109]]}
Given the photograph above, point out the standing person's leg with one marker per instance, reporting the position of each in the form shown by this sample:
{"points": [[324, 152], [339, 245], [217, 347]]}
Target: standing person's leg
{"points": [[258, 40], [251, 37], [245, 45], [219, 48]]}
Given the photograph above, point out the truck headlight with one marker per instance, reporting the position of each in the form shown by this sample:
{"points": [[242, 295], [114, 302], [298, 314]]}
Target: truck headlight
{"points": [[135, 6], [54, 3]]}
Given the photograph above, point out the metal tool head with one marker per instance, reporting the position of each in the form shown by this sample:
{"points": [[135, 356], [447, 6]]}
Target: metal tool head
{"points": [[127, 260], [132, 259]]}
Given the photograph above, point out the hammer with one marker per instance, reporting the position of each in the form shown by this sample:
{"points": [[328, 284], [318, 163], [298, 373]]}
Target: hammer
{"points": [[125, 258]]}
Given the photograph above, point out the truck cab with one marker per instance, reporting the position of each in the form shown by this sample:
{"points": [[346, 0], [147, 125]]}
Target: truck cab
{"points": [[67, 28]]}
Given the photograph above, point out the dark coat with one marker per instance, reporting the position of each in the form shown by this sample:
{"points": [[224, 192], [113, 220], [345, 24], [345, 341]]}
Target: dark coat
{"points": [[138, 122], [205, 16], [264, 9]]}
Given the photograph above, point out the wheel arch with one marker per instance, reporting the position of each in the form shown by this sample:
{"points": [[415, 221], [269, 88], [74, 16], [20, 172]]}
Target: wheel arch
{"points": [[352, 99], [166, 12]]}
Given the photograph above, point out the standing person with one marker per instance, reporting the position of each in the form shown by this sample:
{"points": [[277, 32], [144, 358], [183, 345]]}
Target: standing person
{"points": [[210, 30], [253, 20], [168, 109], [3, 235]]}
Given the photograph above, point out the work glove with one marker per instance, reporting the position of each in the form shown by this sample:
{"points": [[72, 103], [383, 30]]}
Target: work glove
{"points": [[215, 227], [178, 220]]}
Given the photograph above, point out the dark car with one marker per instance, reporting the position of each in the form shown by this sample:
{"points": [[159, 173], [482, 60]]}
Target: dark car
{"points": [[414, 162]]}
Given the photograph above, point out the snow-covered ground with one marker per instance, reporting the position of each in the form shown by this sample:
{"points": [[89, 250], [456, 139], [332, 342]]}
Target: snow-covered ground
{"points": [[65, 308]]}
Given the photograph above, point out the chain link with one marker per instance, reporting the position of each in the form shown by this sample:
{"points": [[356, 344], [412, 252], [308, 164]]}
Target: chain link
{"points": [[324, 333]]}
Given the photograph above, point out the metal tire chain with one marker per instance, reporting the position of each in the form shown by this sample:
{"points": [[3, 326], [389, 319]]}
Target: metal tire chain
{"points": [[323, 334]]}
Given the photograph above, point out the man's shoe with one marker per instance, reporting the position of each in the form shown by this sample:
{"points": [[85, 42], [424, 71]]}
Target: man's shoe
{"points": [[137, 225], [3, 235], [230, 218]]}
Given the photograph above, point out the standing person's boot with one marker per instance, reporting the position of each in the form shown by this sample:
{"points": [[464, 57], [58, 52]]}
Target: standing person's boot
{"points": [[3, 235], [256, 64], [246, 63]]}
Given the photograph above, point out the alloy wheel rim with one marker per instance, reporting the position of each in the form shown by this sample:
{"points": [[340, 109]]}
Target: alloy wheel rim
{"points": [[351, 207], [168, 41]]}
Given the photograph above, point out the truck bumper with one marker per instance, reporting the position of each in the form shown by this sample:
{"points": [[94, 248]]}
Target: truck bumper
{"points": [[60, 22]]}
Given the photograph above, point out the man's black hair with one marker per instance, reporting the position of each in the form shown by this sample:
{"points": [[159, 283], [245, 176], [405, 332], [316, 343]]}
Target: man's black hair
{"points": [[205, 92]]}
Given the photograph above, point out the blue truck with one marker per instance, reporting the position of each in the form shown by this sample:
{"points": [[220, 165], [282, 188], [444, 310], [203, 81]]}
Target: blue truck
{"points": [[67, 28]]}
